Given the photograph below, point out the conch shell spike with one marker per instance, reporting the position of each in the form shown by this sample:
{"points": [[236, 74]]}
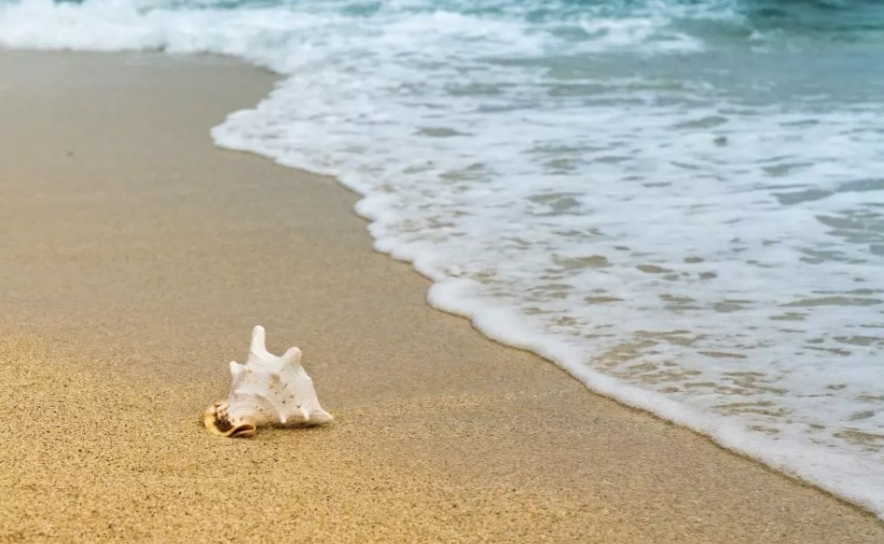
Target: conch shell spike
{"points": [[258, 347], [292, 356], [267, 389]]}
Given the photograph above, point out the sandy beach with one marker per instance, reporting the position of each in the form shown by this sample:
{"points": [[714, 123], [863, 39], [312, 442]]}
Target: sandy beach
{"points": [[135, 257]]}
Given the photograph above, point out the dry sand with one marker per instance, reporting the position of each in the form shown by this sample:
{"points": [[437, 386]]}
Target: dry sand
{"points": [[134, 259]]}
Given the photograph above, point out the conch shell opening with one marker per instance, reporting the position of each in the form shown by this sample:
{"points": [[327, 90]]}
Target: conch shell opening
{"points": [[266, 390], [217, 420]]}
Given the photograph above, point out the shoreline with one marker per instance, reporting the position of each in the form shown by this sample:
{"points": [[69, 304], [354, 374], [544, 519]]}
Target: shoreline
{"points": [[138, 258]]}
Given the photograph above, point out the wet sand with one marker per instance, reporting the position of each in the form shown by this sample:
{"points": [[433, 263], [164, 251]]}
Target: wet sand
{"points": [[135, 257]]}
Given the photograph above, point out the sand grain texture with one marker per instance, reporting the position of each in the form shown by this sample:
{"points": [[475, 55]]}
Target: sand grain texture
{"points": [[134, 259]]}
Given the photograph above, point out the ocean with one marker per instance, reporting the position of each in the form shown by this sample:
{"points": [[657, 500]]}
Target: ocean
{"points": [[679, 202]]}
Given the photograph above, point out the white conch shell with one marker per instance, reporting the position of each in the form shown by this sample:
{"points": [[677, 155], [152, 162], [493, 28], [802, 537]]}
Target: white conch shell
{"points": [[266, 390]]}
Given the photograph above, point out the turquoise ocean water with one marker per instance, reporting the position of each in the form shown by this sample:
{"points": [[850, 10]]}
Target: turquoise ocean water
{"points": [[680, 202]]}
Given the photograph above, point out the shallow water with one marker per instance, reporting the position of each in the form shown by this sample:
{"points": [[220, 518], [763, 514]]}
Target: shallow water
{"points": [[679, 202]]}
